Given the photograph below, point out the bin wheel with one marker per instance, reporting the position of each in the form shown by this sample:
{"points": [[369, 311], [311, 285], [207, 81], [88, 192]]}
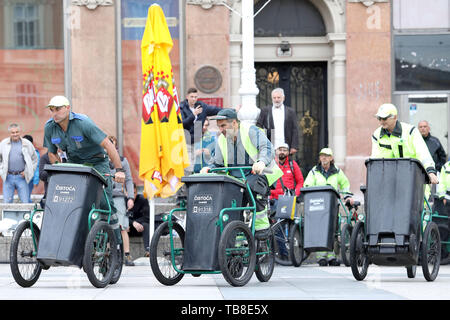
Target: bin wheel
{"points": [[296, 244], [359, 260], [160, 253], [411, 271], [280, 231], [431, 252], [100, 254], [265, 263], [25, 268], [118, 271], [236, 253], [346, 234]]}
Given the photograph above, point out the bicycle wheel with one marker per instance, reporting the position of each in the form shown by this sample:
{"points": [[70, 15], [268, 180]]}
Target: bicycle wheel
{"points": [[280, 230], [265, 263], [431, 252], [236, 253], [25, 268], [160, 253], [100, 254], [296, 251], [359, 260], [346, 234]]}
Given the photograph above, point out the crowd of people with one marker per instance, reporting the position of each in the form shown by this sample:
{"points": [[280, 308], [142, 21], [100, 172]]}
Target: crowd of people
{"points": [[272, 143]]}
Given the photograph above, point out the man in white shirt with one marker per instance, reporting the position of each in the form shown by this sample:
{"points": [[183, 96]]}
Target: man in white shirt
{"points": [[280, 121]]}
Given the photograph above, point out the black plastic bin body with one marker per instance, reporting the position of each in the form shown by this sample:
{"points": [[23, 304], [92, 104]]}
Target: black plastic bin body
{"points": [[321, 209], [207, 196], [395, 200], [72, 189]]}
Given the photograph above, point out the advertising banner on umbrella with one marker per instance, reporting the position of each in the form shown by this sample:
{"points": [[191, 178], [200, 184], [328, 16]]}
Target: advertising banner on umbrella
{"points": [[163, 153]]}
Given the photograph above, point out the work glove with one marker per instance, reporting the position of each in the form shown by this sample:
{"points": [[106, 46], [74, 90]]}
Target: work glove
{"points": [[258, 167], [204, 170]]}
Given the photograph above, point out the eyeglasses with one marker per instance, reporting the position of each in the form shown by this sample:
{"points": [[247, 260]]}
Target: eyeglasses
{"points": [[385, 118]]}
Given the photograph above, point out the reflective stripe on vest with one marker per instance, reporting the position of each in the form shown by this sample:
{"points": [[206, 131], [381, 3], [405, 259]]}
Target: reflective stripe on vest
{"points": [[252, 152]]}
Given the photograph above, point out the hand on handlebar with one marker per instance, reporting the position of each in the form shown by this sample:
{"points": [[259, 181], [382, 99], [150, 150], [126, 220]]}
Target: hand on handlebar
{"points": [[433, 178], [204, 170], [258, 167], [119, 177]]}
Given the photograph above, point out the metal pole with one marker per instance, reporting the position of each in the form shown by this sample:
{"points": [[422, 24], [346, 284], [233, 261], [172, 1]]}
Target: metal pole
{"points": [[119, 93], [67, 50]]}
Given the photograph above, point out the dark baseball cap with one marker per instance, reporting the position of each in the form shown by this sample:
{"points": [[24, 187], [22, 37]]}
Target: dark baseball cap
{"points": [[225, 114]]}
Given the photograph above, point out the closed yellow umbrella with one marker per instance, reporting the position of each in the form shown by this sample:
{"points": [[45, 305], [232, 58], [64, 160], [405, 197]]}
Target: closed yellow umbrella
{"points": [[163, 153]]}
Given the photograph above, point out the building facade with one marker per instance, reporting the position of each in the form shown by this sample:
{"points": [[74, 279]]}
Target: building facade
{"points": [[336, 60]]}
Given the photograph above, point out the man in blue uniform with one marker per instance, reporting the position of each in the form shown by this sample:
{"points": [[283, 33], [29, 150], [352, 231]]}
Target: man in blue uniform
{"points": [[84, 143]]}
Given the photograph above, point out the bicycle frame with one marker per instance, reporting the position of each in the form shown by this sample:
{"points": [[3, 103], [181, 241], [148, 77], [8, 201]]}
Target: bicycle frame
{"points": [[222, 217]]}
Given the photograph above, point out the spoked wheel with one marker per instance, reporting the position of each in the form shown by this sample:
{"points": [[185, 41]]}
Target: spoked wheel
{"points": [[296, 245], [100, 254], [160, 253], [118, 271], [265, 259], [359, 260], [346, 234], [431, 252], [280, 231], [236, 253], [25, 268]]}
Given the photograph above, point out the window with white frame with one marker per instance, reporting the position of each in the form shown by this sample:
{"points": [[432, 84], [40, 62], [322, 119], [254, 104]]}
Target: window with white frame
{"points": [[26, 26]]}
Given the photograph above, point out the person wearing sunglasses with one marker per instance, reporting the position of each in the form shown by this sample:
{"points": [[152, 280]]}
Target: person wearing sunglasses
{"points": [[395, 139]]}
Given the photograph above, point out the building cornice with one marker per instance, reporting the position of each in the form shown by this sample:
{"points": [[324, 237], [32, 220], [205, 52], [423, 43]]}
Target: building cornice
{"points": [[92, 4]]}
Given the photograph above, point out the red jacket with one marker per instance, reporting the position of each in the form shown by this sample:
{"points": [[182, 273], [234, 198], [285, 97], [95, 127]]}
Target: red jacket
{"points": [[288, 179]]}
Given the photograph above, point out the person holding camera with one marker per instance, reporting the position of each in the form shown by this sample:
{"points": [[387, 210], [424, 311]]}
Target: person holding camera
{"points": [[123, 198], [194, 113]]}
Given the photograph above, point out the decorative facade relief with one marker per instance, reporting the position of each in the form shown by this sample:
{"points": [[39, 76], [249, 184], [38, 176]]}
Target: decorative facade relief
{"points": [[340, 4], [208, 4], [368, 3], [92, 4]]}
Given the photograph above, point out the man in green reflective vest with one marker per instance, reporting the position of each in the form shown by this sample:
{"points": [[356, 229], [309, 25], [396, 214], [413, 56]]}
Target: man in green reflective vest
{"points": [[240, 145], [327, 173], [395, 139]]}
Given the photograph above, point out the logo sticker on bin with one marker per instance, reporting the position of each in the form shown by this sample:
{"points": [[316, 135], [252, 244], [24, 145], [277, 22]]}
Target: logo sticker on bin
{"points": [[316, 204], [64, 194], [202, 203]]}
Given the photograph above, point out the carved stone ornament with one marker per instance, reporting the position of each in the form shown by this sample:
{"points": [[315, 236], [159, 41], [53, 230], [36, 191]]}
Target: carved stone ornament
{"points": [[92, 4], [308, 123], [368, 3], [340, 4], [208, 4]]}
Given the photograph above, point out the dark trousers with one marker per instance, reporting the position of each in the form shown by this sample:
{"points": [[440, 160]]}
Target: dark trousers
{"points": [[145, 234]]}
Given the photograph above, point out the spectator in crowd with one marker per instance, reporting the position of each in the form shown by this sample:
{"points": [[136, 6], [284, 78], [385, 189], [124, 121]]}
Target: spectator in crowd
{"points": [[18, 161], [194, 113], [280, 121], [140, 219], [123, 197], [292, 178], [434, 145], [35, 181], [204, 149]]}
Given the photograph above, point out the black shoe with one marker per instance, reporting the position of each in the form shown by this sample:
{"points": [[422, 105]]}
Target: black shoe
{"points": [[323, 262], [262, 234], [334, 263]]}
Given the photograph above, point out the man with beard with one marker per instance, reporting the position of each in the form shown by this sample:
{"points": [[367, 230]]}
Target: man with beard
{"points": [[327, 173]]}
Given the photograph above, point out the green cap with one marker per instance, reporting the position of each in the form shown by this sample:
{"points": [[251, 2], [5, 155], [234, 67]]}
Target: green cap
{"points": [[225, 114]]}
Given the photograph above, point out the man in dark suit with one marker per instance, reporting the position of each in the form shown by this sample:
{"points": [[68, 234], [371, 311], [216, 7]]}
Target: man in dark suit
{"points": [[280, 122]]}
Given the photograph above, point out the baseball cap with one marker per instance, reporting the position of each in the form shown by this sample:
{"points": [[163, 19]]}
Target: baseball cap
{"points": [[224, 114], [326, 151], [281, 145], [386, 110], [58, 101]]}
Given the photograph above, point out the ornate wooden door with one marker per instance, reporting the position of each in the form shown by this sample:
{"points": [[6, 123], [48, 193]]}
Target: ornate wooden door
{"points": [[305, 89]]}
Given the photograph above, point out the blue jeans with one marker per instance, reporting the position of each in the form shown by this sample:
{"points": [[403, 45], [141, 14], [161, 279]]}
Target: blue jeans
{"points": [[12, 183]]}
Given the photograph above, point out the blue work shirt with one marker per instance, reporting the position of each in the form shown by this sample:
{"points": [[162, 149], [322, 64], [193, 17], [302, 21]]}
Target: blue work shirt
{"points": [[81, 141]]}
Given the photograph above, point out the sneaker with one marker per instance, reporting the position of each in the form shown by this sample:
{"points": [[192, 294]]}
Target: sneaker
{"points": [[323, 262], [147, 254], [334, 263], [128, 261]]}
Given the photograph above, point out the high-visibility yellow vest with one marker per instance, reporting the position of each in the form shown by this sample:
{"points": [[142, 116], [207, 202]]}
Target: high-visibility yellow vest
{"points": [[252, 152]]}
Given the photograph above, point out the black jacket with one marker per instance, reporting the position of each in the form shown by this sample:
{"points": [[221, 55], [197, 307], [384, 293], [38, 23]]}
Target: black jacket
{"points": [[140, 210], [188, 118], [436, 151], [265, 121]]}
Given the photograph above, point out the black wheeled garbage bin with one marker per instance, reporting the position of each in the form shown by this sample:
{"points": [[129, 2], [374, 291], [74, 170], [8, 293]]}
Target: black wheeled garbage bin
{"points": [[395, 200], [321, 209], [72, 189], [208, 194]]}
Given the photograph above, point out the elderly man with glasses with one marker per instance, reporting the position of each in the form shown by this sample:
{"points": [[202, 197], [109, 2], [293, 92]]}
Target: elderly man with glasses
{"points": [[395, 139]]}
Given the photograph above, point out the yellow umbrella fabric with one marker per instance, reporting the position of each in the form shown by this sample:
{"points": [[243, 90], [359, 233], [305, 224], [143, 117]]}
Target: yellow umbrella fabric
{"points": [[163, 153]]}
